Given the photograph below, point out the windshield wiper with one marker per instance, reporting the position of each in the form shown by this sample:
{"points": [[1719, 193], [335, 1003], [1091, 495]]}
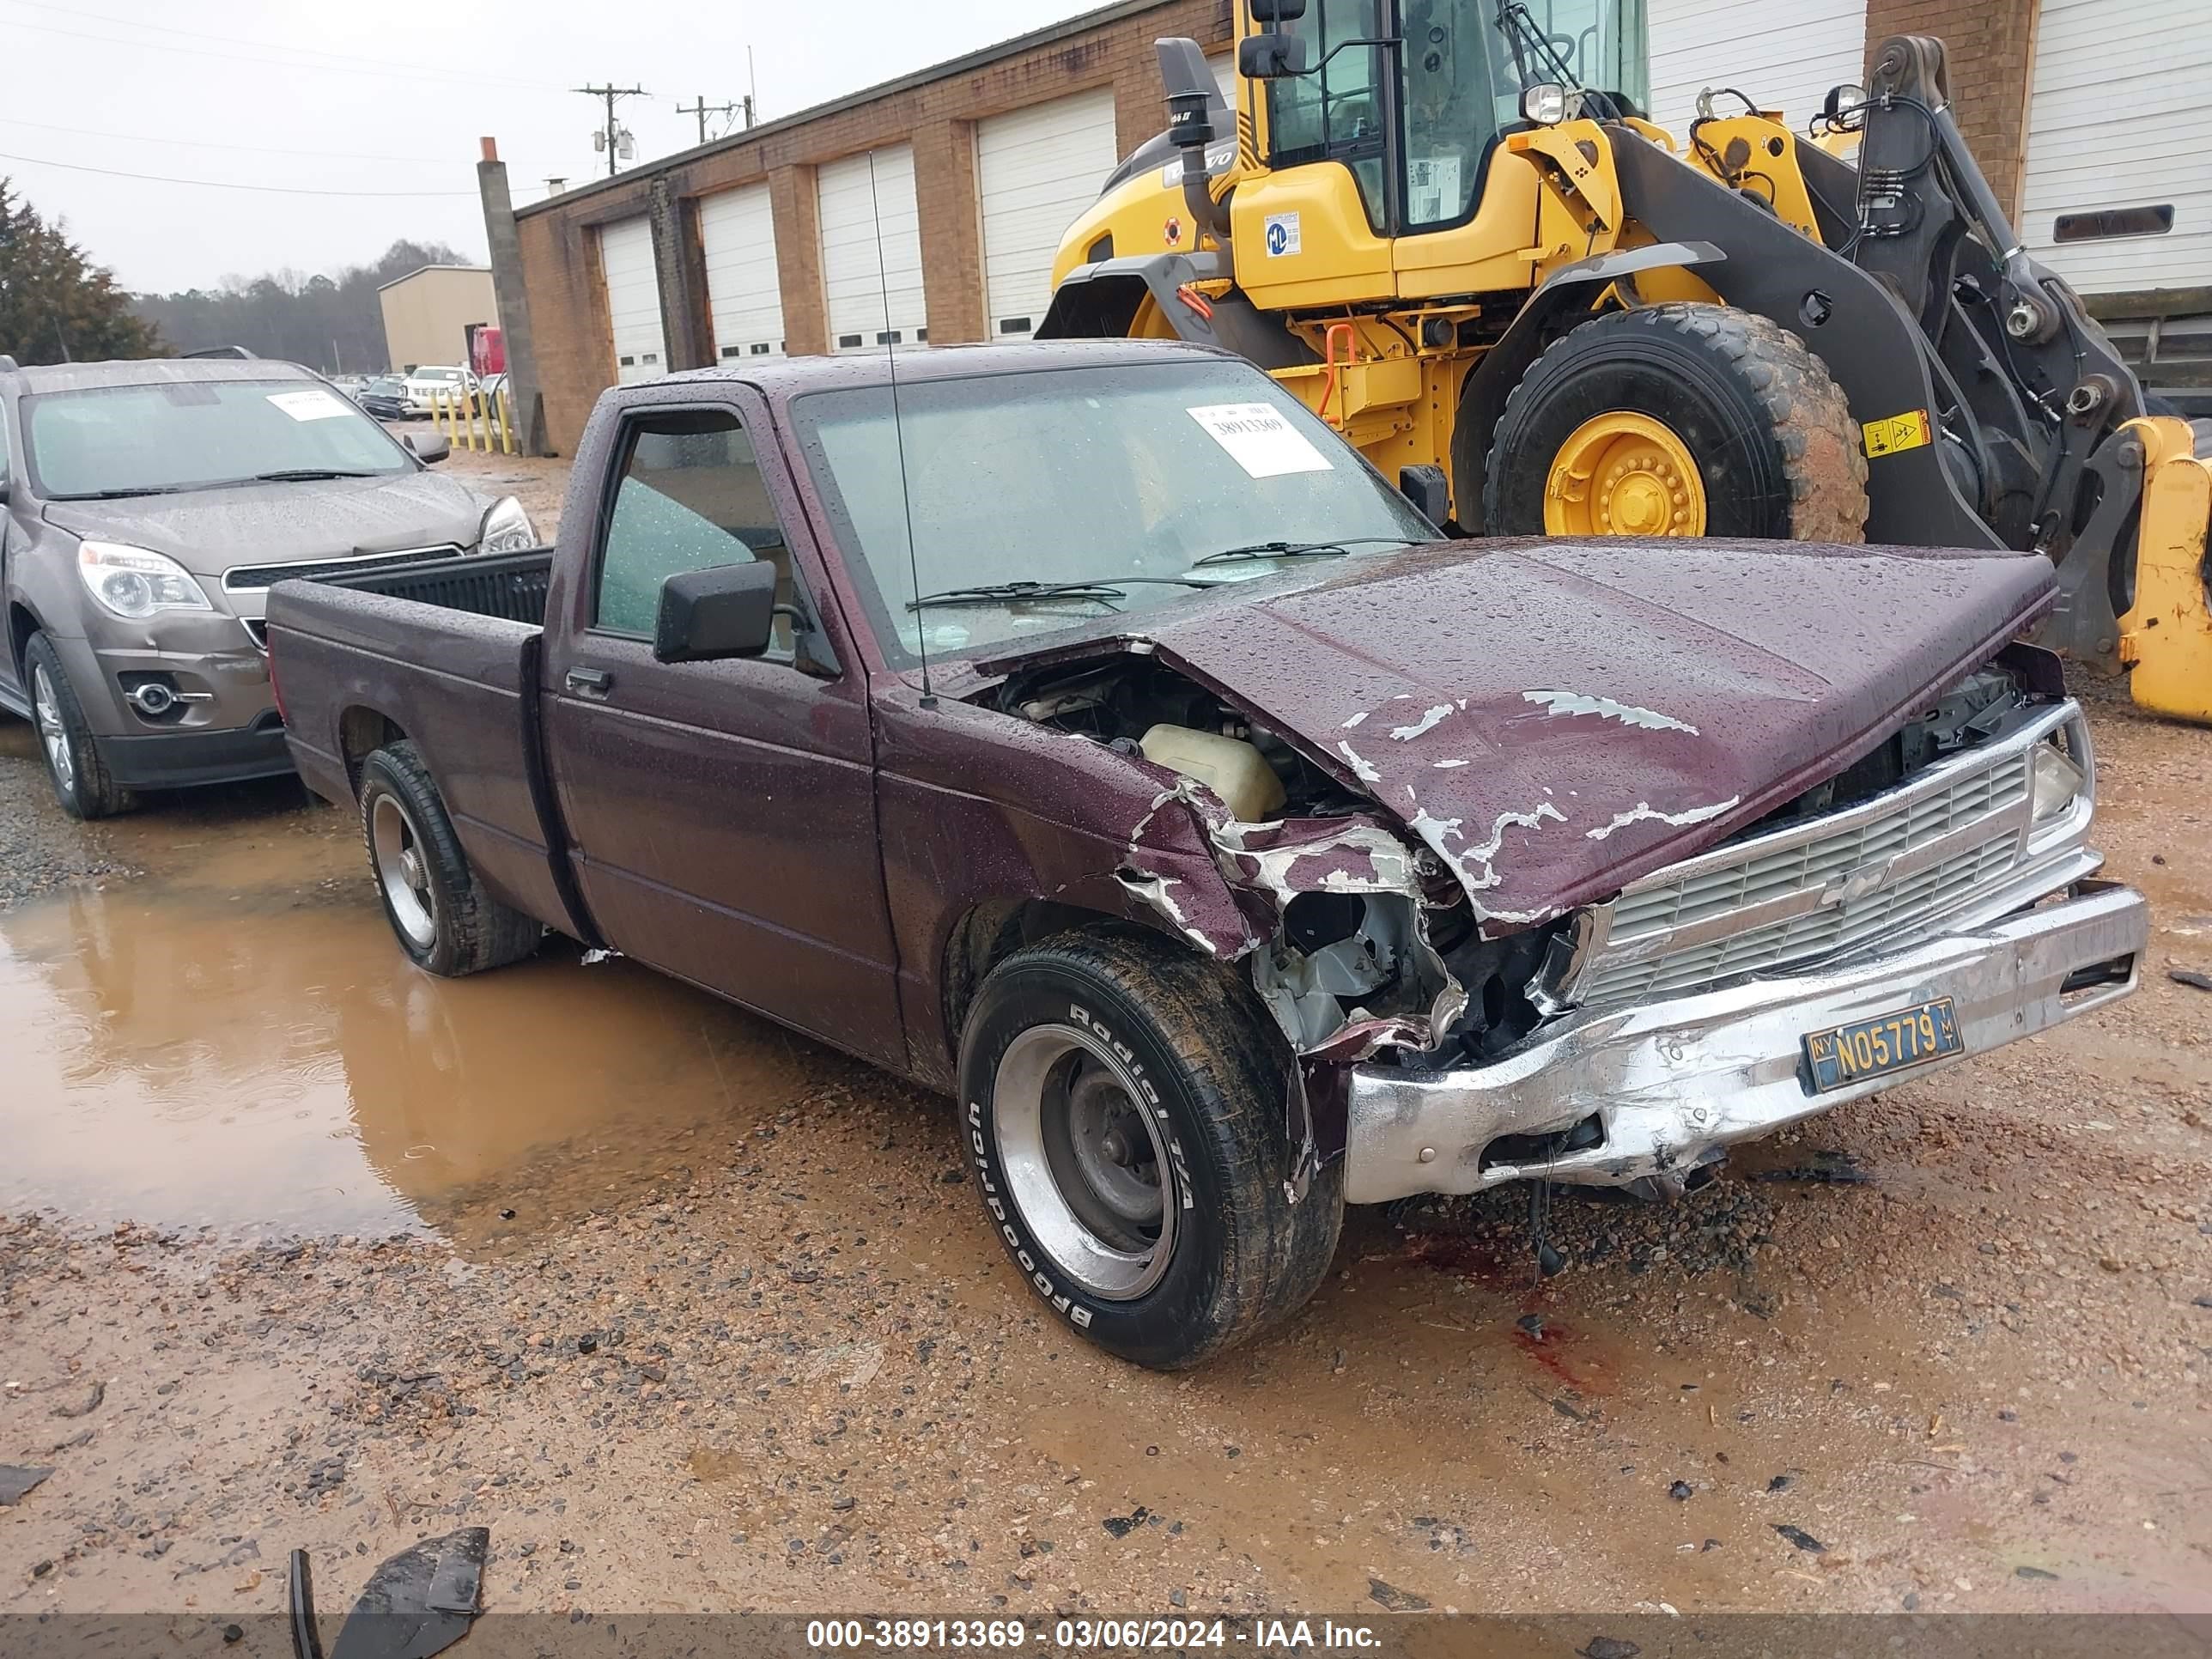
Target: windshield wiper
{"points": [[300, 474], [1015, 593], [121, 495], [1297, 550]]}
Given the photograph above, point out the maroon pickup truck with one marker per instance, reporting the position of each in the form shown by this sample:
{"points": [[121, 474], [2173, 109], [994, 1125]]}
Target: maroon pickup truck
{"points": [[1087, 730]]}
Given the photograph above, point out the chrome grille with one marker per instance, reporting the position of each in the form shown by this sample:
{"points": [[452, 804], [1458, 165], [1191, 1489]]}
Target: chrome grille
{"points": [[1882, 870]]}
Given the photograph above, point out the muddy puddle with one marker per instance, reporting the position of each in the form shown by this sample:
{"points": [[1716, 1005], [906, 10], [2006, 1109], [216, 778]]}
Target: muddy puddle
{"points": [[236, 1043]]}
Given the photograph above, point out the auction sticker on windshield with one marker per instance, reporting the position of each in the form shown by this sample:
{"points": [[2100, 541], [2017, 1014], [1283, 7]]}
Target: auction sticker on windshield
{"points": [[1258, 439], [311, 405]]}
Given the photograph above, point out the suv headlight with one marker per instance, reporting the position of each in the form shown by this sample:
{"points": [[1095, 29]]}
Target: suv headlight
{"points": [[2058, 780], [507, 528], [134, 583]]}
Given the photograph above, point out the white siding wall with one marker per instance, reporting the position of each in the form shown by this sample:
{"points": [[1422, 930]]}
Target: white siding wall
{"points": [[853, 217], [633, 278], [1784, 53], [737, 238], [1036, 170], [2121, 117]]}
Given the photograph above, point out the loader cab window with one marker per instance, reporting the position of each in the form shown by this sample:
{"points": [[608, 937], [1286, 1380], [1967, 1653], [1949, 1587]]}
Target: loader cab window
{"points": [[1338, 110], [1461, 92], [1462, 86]]}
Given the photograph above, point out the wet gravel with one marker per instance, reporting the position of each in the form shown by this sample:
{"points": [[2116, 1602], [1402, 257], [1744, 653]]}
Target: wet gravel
{"points": [[41, 848]]}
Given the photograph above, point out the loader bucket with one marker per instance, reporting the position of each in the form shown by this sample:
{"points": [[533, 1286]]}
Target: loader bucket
{"points": [[2167, 634]]}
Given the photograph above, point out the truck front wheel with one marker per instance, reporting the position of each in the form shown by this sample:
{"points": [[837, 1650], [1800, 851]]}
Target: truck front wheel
{"points": [[440, 912], [1124, 1104]]}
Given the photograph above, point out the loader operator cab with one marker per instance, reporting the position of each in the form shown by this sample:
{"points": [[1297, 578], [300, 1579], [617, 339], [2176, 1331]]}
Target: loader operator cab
{"points": [[1447, 74]]}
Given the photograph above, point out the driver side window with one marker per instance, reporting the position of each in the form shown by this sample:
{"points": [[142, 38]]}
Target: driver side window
{"points": [[690, 496], [1336, 110]]}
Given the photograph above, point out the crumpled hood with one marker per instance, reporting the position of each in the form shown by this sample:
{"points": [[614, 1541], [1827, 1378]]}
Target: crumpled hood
{"points": [[1555, 719], [208, 531]]}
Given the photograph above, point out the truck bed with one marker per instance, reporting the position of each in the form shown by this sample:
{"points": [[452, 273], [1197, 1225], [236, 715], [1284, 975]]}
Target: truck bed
{"points": [[446, 653]]}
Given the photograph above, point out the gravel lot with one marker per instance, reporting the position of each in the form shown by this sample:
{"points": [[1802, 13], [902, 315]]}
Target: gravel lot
{"points": [[301, 1248]]}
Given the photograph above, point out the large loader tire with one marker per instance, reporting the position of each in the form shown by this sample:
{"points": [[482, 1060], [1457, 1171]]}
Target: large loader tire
{"points": [[1677, 420]]}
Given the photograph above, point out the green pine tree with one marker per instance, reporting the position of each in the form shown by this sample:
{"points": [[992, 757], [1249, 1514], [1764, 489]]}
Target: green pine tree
{"points": [[56, 305]]}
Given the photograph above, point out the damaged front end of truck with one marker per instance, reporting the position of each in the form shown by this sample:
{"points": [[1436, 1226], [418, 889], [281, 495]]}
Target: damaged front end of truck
{"points": [[1584, 925]]}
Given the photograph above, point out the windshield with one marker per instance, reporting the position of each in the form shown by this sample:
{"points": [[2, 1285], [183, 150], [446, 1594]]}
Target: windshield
{"points": [[1132, 474], [437, 374], [194, 433]]}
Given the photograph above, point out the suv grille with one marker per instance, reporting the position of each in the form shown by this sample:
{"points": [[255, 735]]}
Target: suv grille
{"points": [[1876, 872], [253, 578]]}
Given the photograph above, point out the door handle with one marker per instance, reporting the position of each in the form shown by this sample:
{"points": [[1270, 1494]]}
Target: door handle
{"points": [[594, 683]]}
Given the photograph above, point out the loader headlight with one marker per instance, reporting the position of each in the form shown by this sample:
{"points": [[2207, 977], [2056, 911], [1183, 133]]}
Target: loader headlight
{"points": [[507, 528], [2058, 782], [134, 582], [1545, 103]]}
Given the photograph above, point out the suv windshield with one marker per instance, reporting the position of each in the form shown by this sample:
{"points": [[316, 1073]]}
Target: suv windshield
{"points": [[1124, 480], [194, 435]]}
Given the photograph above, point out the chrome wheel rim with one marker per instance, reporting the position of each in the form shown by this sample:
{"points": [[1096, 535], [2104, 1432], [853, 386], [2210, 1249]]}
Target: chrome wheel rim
{"points": [[1085, 1160], [46, 709], [401, 871]]}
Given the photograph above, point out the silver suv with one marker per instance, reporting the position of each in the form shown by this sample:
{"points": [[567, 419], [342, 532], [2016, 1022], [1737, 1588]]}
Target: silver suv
{"points": [[145, 510]]}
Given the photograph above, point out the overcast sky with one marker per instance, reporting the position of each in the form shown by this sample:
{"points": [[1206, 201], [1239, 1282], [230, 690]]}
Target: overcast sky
{"points": [[340, 95]]}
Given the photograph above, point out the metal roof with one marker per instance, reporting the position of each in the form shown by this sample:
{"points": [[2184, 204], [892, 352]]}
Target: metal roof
{"points": [[481, 270]]}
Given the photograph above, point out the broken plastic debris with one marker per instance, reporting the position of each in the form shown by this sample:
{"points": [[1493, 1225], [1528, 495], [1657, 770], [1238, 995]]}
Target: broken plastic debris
{"points": [[599, 954]]}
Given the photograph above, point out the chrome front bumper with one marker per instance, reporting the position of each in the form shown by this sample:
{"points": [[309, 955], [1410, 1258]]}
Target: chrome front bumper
{"points": [[1672, 1083]]}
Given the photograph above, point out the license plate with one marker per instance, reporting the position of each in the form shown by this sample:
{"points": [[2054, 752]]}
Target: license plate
{"points": [[1911, 1036]]}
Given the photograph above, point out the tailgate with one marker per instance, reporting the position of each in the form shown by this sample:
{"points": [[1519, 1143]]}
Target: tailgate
{"points": [[352, 665]]}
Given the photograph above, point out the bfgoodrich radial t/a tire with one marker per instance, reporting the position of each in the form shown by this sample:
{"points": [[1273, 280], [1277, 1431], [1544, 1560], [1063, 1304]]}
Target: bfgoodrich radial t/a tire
{"points": [[1678, 420], [1124, 1105]]}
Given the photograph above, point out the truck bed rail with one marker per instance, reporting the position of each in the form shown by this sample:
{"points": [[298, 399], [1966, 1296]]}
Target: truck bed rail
{"points": [[509, 585]]}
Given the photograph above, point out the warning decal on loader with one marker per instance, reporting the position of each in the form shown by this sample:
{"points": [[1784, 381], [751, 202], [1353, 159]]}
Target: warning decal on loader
{"points": [[1887, 437]]}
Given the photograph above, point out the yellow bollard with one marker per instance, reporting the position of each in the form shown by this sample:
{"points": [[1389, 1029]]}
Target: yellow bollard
{"points": [[506, 422]]}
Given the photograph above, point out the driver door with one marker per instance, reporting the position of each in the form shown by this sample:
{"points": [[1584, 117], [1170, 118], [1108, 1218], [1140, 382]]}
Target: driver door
{"points": [[721, 815]]}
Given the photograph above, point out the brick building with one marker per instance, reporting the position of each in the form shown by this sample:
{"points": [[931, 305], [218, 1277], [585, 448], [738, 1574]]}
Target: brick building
{"points": [[927, 208]]}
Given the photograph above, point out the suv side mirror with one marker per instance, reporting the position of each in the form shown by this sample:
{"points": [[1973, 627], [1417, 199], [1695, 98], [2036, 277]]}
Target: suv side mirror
{"points": [[1427, 489], [1271, 57], [430, 448], [710, 615]]}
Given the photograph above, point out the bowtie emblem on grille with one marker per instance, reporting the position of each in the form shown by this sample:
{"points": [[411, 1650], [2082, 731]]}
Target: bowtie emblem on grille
{"points": [[1841, 890]]}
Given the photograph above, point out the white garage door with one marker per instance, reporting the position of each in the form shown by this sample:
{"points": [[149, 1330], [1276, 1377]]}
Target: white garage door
{"points": [[856, 269], [737, 241], [633, 299], [1784, 54], [2119, 144], [1036, 170]]}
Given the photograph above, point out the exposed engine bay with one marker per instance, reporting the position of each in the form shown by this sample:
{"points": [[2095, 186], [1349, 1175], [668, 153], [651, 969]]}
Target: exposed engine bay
{"points": [[1375, 943]]}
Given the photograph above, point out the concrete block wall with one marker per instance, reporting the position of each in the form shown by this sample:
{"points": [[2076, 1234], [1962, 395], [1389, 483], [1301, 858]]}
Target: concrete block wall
{"points": [[936, 112]]}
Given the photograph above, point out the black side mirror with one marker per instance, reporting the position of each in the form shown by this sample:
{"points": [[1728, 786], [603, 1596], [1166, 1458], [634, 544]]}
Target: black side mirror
{"points": [[1271, 57], [1278, 11], [430, 448], [710, 615], [1429, 492]]}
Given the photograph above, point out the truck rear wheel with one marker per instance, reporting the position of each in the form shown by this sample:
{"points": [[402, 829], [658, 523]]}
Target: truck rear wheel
{"points": [[439, 910], [1677, 420], [1124, 1104]]}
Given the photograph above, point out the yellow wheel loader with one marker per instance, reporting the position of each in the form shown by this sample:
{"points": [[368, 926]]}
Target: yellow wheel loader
{"points": [[1448, 225]]}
